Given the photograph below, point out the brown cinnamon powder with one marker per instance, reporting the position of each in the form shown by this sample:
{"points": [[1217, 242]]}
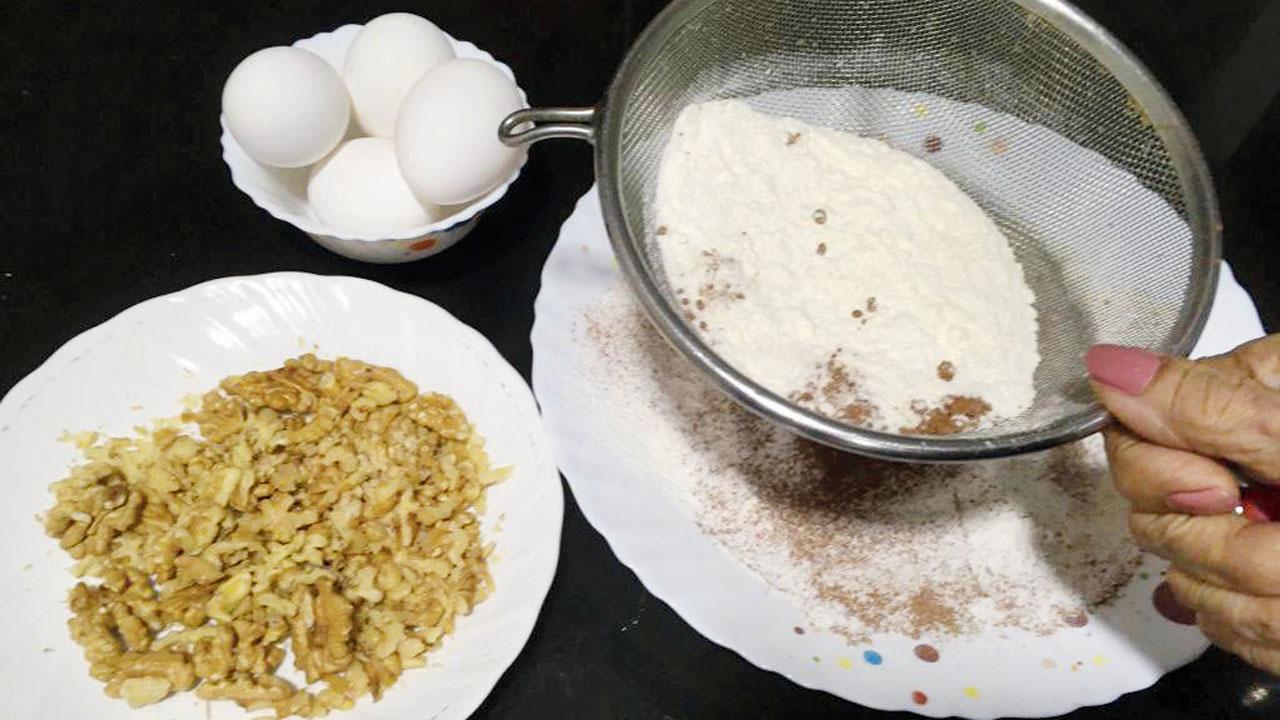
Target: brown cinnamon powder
{"points": [[957, 413], [712, 291], [834, 392], [867, 546], [946, 371], [930, 613]]}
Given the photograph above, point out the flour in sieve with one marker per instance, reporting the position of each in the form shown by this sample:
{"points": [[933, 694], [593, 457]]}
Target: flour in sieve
{"points": [[850, 276], [864, 546]]}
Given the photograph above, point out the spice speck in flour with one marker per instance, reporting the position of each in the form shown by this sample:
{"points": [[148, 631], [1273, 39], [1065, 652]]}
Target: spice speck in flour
{"points": [[862, 546], [888, 227], [956, 414], [946, 371]]}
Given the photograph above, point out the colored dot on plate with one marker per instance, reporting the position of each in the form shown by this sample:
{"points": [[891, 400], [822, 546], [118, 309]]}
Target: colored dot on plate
{"points": [[798, 630], [1048, 663], [920, 110], [844, 663], [971, 692], [817, 659], [1144, 576], [980, 127], [999, 146], [1099, 660], [927, 653], [872, 657], [919, 698]]}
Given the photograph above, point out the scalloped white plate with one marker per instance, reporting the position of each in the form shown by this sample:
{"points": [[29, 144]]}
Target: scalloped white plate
{"points": [[1000, 673], [141, 363]]}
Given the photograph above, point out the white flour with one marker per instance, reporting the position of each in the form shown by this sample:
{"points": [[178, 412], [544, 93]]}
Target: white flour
{"points": [[838, 271], [863, 546]]}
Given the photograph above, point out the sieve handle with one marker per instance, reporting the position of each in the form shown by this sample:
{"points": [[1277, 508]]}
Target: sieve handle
{"points": [[528, 126]]}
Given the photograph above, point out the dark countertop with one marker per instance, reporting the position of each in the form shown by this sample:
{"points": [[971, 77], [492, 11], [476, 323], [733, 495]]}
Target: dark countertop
{"points": [[114, 191]]}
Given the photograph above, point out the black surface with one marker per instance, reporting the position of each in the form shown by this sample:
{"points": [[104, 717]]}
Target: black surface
{"points": [[114, 191]]}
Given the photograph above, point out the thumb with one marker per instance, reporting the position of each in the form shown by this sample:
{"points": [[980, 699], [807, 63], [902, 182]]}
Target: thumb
{"points": [[1215, 407]]}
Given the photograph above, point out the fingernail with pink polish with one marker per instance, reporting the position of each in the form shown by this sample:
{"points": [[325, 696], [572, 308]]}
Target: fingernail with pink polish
{"points": [[1127, 369], [1209, 501]]}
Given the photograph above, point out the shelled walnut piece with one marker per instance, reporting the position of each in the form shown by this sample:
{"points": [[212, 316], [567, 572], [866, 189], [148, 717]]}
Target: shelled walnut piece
{"points": [[328, 505]]}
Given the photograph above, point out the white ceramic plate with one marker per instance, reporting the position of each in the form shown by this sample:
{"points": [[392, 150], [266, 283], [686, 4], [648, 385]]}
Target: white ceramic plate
{"points": [[1127, 646], [141, 363]]}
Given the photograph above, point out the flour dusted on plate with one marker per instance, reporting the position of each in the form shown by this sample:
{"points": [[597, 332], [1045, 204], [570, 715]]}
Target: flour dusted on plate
{"points": [[842, 273], [865, 546]]}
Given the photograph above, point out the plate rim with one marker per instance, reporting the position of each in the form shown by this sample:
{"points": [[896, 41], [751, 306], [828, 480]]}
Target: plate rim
{"points": [[22, 390]]}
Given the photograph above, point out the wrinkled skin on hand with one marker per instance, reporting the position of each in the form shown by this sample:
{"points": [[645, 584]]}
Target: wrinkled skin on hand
{"points": [[1187, 433]]}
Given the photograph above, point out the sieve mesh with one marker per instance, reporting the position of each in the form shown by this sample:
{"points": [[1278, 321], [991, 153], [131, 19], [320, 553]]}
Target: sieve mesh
{"points": [[1101, 193]]}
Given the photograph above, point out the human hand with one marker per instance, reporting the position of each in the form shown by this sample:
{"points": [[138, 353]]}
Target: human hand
{"points": [[1182, 426]]}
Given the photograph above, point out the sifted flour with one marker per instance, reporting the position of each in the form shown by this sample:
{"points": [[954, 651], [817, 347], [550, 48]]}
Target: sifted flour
{"points": [[864, 546], [849, 276]]}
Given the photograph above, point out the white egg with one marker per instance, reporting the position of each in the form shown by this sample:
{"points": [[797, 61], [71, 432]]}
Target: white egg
{"points": [[286, 107], [447, 132], [358, 191], [387, 57]]}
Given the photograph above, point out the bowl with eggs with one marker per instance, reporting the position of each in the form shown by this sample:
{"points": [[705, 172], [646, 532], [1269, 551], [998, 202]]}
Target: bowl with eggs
{"points": [[343, 135]]}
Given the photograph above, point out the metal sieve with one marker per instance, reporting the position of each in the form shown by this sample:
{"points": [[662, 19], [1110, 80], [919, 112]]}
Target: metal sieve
{"points": [[1106, 201]]}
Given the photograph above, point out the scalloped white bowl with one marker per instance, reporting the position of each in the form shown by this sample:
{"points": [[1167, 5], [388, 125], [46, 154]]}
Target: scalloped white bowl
{"points": [[283, 192]]}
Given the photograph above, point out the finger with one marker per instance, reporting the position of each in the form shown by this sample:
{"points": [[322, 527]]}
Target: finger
{"points": [[1256, 619], [1260, 359], [1211, 408], [1226, 550], [1158, 479], [1222, 635]]}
